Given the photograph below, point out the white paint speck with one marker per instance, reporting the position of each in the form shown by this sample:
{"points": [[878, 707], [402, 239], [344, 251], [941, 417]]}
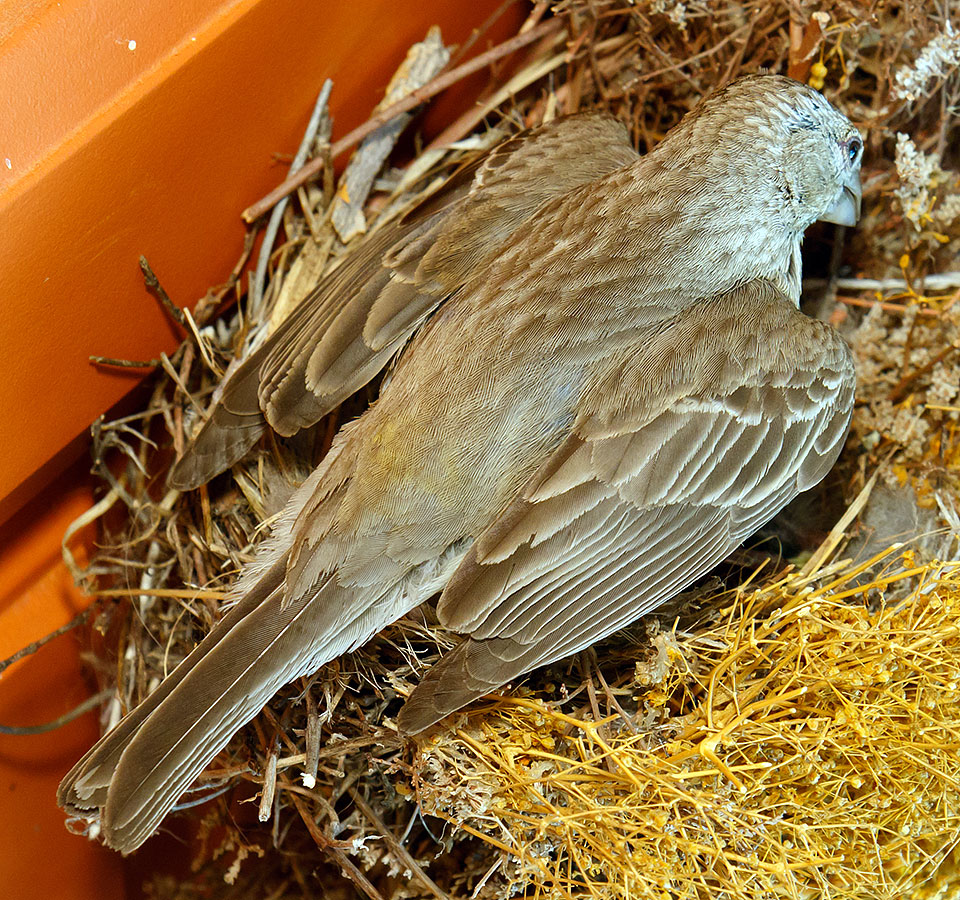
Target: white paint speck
{"points": [[131, 45], [7, 162]]}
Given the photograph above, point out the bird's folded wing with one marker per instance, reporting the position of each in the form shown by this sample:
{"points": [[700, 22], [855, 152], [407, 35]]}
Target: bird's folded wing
{"points": [[713, 426], [342, 334], [271, 380]]}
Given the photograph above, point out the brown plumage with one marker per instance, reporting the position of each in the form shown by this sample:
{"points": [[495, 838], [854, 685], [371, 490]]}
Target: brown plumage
{"points": [[610, 387]]}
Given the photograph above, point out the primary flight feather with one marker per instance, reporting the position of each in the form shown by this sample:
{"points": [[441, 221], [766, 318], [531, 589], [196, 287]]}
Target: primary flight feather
{"points": [[609, 387]]}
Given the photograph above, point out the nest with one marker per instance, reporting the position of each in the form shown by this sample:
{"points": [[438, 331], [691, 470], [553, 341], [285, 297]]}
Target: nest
{"points": [[790, 728]]}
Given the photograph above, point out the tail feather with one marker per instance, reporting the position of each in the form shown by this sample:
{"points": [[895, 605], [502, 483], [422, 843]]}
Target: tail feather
{"points": [[84, 787], [197, 719], [134, 775]]}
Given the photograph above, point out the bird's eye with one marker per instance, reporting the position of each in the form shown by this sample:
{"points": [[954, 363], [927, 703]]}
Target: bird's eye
{"points": [[854, 148]]}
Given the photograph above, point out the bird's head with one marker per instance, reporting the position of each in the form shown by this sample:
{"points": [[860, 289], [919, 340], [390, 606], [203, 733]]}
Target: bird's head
{"points": [[803, 153]]}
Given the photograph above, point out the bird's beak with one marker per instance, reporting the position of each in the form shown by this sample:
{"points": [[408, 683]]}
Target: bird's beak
{"points": [[846, 211]]}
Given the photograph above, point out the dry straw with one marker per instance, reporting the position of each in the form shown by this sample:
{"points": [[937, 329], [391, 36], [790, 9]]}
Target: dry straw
{"points": [[804, 743]]}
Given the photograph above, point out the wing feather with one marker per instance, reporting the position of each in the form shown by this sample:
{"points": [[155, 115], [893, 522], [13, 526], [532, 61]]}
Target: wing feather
{"points": [[347, 330], [633, 507]]}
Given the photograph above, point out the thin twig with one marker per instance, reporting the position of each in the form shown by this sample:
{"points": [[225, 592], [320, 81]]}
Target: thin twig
{"points": [[678, 67], [175, 378], [34, 646], [75, 713], [334, 848], [124, 363], [903, 386], [312, 742], [175, 593], [412, 100], [398, 850], [942, 281], [837, 533], [480, 31], [276, 217], [201, 344], [152, 284], [888, 307], [269, 783], [472, 117], [207, 304], [354, 874], [104, 504]]}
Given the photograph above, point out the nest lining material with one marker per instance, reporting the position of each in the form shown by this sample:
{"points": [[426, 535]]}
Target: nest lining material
{"points": [[791, 732]]}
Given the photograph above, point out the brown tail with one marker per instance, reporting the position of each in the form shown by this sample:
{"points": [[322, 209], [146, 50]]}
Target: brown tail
{"points": [[132, 778]]}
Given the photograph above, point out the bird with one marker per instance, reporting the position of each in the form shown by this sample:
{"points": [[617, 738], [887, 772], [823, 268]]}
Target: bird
{"points": [[603, 384]]}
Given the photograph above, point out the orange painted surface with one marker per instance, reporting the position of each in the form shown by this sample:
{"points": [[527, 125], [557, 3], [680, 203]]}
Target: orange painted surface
{"points": [[110, 150], [40, 858], [108, 160]]}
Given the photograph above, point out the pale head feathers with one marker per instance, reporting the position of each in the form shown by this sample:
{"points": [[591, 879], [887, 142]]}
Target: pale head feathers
{"points": [[785, 139]]}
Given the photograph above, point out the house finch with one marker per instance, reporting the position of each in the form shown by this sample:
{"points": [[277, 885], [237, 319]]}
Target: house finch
{"points": [[610, 387]]}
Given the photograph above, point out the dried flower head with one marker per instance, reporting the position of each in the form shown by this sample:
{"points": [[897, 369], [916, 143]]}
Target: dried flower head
{"points": [[936, 60], [920, 178]]}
